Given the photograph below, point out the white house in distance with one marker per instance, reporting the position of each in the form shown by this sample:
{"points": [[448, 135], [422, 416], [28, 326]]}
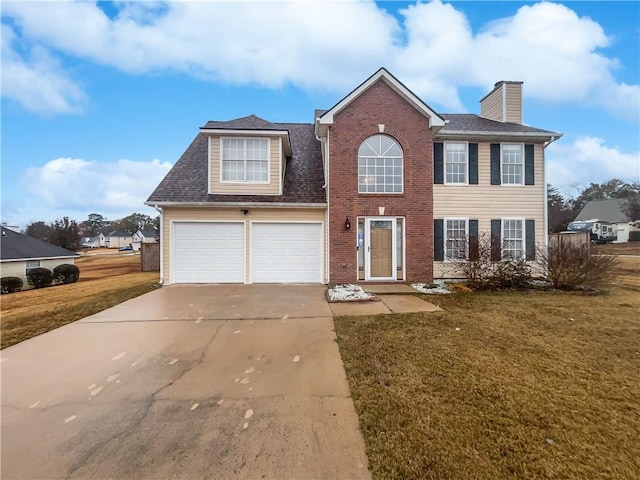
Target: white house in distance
{"points": [[611, 211], [96, 242], [144, 236], [20, 253], [118, 239]]}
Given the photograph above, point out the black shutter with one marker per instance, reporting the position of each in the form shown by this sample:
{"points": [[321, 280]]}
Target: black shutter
{"points": [[473, 240], [473, 164], [495, 164], [528, 164], [530, 240], [438, 162], [438, 239], [496, 240]]}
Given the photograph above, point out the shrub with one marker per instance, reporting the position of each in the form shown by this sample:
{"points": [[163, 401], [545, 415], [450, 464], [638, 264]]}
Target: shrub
{"points": [[66, 273], [40, 277], [571, 266], [481, 272], [11, 284]]}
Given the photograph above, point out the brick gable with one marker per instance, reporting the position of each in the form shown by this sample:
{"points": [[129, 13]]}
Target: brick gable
{"points": [[380, 104]]}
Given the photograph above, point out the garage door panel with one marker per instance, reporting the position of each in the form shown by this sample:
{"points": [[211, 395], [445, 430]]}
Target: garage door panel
{"points": [[208, 252], [286, 253]]}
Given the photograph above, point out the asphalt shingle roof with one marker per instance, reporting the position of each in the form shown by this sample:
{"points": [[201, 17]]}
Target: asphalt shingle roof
{"points": [[15, 246], [304, 177], [467, 122], [607, 210], [251, 122], [118, 233]]}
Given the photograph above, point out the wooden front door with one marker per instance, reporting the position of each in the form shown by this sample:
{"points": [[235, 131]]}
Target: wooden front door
{"points": [[381, 243]]}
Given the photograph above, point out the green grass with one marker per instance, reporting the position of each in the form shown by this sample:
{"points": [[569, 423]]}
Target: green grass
{"points": [[505, 385]]}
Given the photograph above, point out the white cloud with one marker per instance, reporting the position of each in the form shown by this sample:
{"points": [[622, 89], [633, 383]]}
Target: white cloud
{"points": [[314, 45], [588, 160], [38, 83], [78, 187]]}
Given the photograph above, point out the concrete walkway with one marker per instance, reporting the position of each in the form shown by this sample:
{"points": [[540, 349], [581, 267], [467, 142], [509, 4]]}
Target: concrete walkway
{"points": [[394, 298], [185, 382]]}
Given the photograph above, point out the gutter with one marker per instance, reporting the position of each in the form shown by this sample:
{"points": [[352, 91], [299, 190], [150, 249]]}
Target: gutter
{"points": [[546, 192], [236, 204], [159, 210]]}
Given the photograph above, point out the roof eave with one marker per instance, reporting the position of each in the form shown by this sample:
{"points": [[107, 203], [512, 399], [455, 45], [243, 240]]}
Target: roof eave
{"points": [[236, 204], [481, 133], [26, 259], [435, 120]]}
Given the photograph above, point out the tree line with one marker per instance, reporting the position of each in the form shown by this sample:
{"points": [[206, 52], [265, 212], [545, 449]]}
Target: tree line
{"points": [[69, 234], [562, 210]]}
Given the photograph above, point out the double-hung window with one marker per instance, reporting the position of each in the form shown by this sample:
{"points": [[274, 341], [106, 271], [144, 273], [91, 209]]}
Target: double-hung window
{"points": [[512, 239], [456, 163], [31, 264], [512, 165], [245, 160], [456, 232]]}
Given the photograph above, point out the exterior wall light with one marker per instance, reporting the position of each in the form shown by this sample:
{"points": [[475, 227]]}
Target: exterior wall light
{"points": [[347, 224], [245, 211]]}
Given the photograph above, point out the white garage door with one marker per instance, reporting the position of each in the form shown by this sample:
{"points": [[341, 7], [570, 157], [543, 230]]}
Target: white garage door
{"points": [[286, 253], [208, 252]]}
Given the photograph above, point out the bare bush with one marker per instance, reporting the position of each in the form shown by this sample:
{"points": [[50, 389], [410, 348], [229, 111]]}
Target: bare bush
{"points": [[486, 270], [570, 266]]}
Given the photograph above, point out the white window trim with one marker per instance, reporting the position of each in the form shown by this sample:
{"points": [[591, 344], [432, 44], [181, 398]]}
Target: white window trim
{"points": [[524, 236], [246, 182], [523, 165], [30, 268], [444, 236], [444, 163], [401, 159]]}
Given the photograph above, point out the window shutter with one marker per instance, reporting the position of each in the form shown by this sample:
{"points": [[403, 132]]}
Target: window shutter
{"points": [[438, 239], [496, 240], [438, 162], [530, 239], [528, 165], [473, 164], [473, 240], [495, 164]]}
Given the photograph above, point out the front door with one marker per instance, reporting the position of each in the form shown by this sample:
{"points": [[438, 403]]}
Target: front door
{"points": [[380, 249]]}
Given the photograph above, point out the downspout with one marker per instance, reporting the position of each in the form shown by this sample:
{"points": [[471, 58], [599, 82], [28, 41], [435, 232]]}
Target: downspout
{"points": [[546, 193], [159, 210]]}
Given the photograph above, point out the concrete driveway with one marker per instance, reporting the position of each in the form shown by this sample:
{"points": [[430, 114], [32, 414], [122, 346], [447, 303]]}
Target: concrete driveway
{"points": [[185, 382]]}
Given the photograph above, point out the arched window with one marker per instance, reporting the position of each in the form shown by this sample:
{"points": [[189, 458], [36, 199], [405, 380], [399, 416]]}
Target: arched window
{"points": [[380, 165]]}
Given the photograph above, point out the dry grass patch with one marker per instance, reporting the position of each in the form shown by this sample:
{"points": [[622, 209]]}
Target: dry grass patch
{"points": [[33, 312], [506, 385], [96, 266]]}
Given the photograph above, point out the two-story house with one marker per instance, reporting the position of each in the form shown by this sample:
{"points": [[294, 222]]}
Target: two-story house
{"points": [[379, 188]]}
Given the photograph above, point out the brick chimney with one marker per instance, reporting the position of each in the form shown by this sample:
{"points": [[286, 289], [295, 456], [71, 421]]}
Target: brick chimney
{"points": [[503, 103]]}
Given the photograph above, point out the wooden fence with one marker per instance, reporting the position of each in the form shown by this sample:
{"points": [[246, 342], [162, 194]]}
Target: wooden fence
{"points": [[577, 239], [150, 257]]}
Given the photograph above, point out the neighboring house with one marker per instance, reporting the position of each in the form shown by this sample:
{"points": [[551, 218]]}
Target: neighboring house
{"points": [[379, 188], [144, 236], [118, 238], [20, 253], [96, 242], [613, 213]]}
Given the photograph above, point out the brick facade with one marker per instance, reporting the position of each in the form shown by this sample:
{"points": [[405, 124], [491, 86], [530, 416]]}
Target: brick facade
{"points": [[380, 104]]}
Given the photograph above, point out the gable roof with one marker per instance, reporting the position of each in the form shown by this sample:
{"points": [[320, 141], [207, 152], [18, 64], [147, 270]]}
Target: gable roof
{"points": [[97, 237], [148, 233], [470, 124], [186, 182], [435, 120], [118, 233], [16, 246], [607, 210]]}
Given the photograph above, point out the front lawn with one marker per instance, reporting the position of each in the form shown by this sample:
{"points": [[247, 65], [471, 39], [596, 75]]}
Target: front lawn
{"points": [[33, 312], [500, 385]]}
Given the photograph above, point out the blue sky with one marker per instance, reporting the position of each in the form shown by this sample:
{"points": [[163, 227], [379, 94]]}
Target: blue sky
{"points": [[99, 99]]}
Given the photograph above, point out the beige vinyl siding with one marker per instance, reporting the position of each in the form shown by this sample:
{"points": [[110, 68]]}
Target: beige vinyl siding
{"points": [[485, 202], [514, 102], [227, 188], [196, 214], [19, 268], [491, 107]]}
